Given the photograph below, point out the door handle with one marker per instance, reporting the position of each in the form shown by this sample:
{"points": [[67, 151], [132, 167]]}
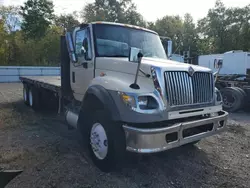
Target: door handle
{"points": [[85, 65], [73, 77]]}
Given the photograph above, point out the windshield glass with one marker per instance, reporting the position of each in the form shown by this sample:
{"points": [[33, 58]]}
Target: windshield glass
{"points": [[115, 41]]}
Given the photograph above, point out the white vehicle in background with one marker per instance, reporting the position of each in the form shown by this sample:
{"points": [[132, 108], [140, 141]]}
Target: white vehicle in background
{"points": [[234, 62], [122, 93], [178, 58], [233, 77]]}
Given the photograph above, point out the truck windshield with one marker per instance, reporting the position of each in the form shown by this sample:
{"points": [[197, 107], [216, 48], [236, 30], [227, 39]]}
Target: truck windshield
{"points": [[115, 41]]}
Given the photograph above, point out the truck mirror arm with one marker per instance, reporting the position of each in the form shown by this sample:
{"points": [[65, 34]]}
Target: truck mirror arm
{"points": [[135, 85], [145, 74]]}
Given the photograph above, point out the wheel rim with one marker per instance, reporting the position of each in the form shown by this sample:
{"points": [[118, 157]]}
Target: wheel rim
{"points": [[24, 94], [99, 141], [30, 98], [229, 100]]}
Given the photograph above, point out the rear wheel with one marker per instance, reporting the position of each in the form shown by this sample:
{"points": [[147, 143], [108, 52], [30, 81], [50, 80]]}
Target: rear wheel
{"points": [[30, 98], [106, 141], [25, 94], [34, 98]]}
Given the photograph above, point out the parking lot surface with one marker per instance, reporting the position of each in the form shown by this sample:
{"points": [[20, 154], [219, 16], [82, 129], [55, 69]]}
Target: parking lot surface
{"points": [[51, 156]]}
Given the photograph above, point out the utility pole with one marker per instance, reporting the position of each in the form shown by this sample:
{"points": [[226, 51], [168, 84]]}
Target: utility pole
{"points": [[186, 56]]}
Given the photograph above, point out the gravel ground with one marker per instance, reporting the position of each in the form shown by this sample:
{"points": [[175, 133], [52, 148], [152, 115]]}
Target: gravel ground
{"points": [[51, 157]]}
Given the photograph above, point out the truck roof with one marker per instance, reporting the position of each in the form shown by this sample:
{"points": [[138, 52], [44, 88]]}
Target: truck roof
{"points": [[124, 25]]}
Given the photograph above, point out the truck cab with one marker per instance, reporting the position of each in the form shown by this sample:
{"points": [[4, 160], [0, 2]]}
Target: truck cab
{"points": [[128, 95], [103, 48]]}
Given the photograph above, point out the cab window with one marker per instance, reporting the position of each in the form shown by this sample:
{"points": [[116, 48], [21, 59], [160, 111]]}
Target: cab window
{"points": [[83, 44]]}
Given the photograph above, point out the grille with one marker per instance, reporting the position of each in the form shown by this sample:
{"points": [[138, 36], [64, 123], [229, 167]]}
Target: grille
{"points": [[183, 89]]}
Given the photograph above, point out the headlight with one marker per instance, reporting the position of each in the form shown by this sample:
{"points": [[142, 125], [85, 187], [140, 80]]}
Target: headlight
{"points": [[142, 104], [147, 103], [159, 85], [129, 100], [156, 81]]}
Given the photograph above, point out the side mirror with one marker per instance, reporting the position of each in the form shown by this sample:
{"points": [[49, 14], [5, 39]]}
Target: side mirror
{"points": [[218, 63], [70, 47], [167, 45], [133, 54]]}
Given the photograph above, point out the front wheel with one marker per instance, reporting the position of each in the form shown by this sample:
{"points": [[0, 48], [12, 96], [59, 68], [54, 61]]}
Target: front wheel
{"points": [[99, 141], [106, 141]]}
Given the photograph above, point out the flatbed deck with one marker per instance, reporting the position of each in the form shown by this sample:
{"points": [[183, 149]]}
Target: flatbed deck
{"points": [[48, 82]]}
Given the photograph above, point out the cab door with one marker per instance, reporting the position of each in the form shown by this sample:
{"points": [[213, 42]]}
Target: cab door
{"points": [[82, 72]]}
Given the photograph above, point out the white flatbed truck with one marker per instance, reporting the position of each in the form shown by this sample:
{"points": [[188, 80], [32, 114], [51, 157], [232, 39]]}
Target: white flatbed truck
{"points": [[120, 90]]}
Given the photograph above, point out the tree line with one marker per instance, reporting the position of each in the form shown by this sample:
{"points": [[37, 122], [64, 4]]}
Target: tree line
{"points": [[30, 34]]}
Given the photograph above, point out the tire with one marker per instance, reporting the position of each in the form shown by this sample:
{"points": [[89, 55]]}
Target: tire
{"points": [[106, 141], [25, 94], [34, 98], [244, 96], [247, 106], [232, 99], [241, 90]]}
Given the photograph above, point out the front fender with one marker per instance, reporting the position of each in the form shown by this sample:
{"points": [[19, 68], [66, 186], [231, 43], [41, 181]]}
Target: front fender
{"points": [[104, 98]]}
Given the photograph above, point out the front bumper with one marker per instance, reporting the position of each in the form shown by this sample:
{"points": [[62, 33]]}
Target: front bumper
{"points": [[143, 140]]}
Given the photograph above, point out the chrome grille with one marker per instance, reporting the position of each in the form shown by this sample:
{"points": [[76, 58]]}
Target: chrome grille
{"points": [[183, 89]]}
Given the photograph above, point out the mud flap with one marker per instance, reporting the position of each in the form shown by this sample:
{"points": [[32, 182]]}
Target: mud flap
{"points": [[7, 175]]}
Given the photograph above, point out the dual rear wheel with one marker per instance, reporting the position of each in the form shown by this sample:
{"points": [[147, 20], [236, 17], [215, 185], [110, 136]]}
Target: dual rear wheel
{"points": [[39, 98], [25, 94], [31, 97]]}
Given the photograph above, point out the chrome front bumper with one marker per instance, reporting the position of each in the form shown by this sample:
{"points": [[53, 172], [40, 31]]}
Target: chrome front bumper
{"points": [[143, 140]]}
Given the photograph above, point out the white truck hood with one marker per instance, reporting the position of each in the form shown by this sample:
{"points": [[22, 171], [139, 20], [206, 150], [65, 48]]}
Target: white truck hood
{"points": [[169, 65], [120, 73], [123, 65]]}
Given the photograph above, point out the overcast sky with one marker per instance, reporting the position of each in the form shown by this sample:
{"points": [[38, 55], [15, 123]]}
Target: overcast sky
{"points": [[150, 9]]}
